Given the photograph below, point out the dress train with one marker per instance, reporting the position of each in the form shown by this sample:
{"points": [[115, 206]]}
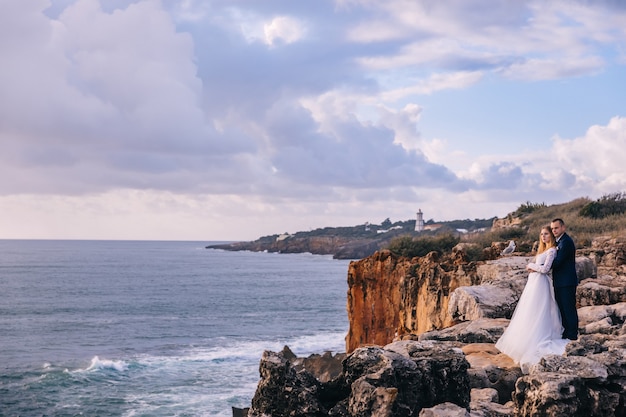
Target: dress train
{"points": [[535, 328]]}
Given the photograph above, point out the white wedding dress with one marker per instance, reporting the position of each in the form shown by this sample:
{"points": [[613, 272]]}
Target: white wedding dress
{"points": [[535, 328]]}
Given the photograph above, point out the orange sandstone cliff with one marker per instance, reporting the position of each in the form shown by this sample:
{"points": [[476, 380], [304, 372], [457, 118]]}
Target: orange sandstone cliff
{"points": [[391, 296]]}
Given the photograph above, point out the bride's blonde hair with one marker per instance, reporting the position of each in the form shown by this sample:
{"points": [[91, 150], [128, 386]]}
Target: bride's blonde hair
{"points": [[545, 246]]}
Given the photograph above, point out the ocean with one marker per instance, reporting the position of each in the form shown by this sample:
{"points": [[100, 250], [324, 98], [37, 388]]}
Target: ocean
{"points": [[155, 328]]}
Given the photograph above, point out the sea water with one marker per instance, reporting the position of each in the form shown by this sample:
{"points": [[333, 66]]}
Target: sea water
{"points": [[146, 328]]}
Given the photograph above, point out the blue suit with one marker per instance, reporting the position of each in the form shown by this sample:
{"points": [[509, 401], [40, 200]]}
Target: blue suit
{"points": [[565, 281]]}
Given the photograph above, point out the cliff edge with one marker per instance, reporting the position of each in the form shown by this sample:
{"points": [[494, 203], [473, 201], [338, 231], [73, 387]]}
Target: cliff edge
{"points": [[421, 342]]}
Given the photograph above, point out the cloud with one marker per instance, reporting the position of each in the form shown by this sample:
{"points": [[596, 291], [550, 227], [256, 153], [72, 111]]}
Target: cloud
{"points": [[298, 107], [530, 40], [596, 158], [96, 100], [590, 165], [285, 29]]}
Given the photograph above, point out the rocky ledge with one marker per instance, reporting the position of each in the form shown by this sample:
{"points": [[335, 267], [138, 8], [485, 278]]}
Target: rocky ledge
{"points": [[455, 370]]}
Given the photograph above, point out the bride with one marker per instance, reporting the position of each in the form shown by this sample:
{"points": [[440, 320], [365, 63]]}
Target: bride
{"points": [[535, 327]]}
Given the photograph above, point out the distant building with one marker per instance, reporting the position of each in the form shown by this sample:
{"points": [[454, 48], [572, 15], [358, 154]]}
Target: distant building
{"points": [[433, 226], [419, 223], [390, 229]]}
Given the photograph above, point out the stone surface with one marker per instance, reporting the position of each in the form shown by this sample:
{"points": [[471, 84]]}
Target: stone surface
{"points": [[444, 410], [485, 404], [416, 348], [398, 380], [389, 296]]}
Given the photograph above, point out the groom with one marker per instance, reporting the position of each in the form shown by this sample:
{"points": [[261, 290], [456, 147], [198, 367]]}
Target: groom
{"points": [[564, 279]]}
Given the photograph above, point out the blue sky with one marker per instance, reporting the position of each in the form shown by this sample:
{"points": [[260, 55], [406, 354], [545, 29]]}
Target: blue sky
{"points": [[231, 120]]}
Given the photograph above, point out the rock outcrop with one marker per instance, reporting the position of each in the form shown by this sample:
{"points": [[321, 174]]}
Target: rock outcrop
{"points": [[390, 296], [398, 380], [421, 342]]}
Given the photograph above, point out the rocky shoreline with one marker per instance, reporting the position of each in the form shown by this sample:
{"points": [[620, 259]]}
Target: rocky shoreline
{"points": [[339, 246], [421, 344]]}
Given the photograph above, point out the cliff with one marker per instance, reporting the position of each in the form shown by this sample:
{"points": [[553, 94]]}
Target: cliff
{"points": [[390, 296], [421, 343]]}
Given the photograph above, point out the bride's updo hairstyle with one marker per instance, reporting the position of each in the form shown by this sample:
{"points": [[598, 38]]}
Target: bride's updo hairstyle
{"points": [[545, 246]]}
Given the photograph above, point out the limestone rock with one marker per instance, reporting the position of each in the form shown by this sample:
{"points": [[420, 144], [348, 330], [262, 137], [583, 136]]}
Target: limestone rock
{"points": [[475, 331], [284, 391], [604, 290], [503, 269], [483, 301], [324, 367], [421, 341], [485, 404], [444, 410], [398, 380], [610, 251], [374, 299], [391, 296], [491, 370]]}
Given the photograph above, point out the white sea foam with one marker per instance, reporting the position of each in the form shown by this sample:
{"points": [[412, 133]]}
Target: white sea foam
{"points": [[252, 350], [209, 379], [104, 364]]}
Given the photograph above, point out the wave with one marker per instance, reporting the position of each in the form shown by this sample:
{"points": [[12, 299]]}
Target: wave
{"points": [[253, 349], [171, 380], [213, 377], [98, 364]]}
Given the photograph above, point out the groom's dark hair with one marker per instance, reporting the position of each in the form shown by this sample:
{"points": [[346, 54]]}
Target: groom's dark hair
{"points": [[559, 220]]}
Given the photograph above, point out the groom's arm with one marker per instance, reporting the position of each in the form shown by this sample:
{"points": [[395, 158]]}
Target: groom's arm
{"points": [[565, 250]]}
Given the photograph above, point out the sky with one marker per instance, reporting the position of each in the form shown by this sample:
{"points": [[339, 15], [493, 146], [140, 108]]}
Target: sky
{"points": [[235, 119]]}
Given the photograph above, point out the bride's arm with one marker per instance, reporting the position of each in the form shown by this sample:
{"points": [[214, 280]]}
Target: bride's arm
{"points": [[545, 267]]}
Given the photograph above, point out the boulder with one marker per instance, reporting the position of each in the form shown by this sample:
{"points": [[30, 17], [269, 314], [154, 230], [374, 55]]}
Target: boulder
{"points": [[475, 331], [283, 391], [483, 301], [485, 404], [491, 370], [398, 380], [603, 290], [445, 410]]}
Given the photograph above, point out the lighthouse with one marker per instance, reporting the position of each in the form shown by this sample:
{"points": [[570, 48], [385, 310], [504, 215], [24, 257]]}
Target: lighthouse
{"points": [[419, 223]]}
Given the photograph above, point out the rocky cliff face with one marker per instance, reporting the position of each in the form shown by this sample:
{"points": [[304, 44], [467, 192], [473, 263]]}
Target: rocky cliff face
{"points": [[455, 370], [390, 296]]}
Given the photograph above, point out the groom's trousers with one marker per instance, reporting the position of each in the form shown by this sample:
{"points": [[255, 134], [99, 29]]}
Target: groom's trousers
{"points": [[566, 300]]}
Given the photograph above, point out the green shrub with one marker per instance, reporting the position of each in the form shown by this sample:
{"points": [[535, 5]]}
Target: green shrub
{"points": [[607, 205], [527, 208], [420, 246], [475, 253]]}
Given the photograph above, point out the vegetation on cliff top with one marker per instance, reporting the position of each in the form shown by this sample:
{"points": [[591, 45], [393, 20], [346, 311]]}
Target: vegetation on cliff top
{"points": [[585, 219]]}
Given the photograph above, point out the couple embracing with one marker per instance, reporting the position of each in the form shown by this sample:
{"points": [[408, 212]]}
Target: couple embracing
{"points": [[545, 318]]}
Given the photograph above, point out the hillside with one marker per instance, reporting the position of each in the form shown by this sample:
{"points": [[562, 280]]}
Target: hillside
{"points": [[585, 219], [353, 242]]}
